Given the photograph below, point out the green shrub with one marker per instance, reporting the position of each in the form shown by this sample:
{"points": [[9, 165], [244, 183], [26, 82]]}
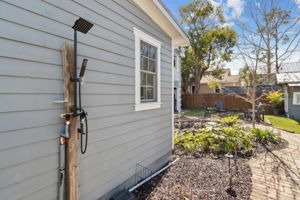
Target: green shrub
{"points": [[218, 139], [227, 136], [229, 121], [265, 136], [276, 98]]}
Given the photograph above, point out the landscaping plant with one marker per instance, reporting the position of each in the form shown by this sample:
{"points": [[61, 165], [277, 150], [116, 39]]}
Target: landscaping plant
{"points": [[265, 136], [275, 98], [226, 136]]}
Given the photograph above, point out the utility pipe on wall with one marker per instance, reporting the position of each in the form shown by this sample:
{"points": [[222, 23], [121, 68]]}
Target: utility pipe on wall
{"points": [[152, 176]]}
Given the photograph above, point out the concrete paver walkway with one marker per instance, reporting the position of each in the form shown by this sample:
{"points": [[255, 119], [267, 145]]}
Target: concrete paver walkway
{"points": [[276, 174]]}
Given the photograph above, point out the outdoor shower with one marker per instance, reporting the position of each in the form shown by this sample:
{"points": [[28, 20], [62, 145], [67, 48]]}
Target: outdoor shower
{"points": [[82, 26], [70, 131]]}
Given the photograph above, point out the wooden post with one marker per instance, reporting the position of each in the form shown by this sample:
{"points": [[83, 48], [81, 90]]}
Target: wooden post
{"points": [[71, 144]]}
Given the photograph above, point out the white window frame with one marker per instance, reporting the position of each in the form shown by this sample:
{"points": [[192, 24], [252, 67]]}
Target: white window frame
{"points": [[295, 94], [176, 64], [141, 36]]}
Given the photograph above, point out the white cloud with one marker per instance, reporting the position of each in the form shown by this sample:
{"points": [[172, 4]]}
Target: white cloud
{"points": [[237, 7], [257, 4], [298, 3], [229, 24], [215, 3]]}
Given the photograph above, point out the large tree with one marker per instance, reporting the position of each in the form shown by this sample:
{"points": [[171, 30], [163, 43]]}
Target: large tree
{"points": [[211, 42]]}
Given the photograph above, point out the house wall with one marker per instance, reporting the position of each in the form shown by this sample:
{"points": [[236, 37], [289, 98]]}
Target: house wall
{"points": [[177, 80], [294, 110], [31, 37], [204, 89]]}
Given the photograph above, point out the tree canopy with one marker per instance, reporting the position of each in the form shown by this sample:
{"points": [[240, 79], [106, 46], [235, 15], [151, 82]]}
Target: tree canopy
{"points": [[211, 41]]}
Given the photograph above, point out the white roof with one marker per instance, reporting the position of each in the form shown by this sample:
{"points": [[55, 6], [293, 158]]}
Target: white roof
{"points": [[163, 17], [288, 78], [284, 68], [290, 67]]}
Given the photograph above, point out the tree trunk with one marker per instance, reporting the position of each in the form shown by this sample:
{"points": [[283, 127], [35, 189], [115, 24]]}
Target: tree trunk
{"points": [[197, 77], [269, 64], [276, 51], [253, 96]]}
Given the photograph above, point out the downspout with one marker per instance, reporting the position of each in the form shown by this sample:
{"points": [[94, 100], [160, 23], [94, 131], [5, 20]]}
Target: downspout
{"points": [[286, 100], [173, 129]]}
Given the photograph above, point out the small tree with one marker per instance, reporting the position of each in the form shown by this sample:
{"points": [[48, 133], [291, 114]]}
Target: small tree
{"points": [[214, 84], [268, 25], [273, 22], [276, 98]]}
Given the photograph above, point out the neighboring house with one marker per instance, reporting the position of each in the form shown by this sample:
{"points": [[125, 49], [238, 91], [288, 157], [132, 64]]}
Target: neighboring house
{"points": [[261, 89], [177, 80], [289, 77], [284, 68], [127, 91], [227, 80]]}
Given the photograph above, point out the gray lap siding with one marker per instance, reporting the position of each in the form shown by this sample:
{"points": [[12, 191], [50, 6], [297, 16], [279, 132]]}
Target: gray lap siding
{"points": [[294, 110], [31, 39]]}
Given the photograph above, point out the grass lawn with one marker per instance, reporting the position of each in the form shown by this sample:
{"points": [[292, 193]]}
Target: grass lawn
{"points": [[284, 123], [194, 112]]}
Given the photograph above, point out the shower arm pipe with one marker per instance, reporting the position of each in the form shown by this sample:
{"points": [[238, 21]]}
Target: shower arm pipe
{"points": [[75, 73]]}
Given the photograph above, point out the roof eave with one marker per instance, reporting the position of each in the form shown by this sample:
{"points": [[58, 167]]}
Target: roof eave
{"points": [[162, 16]]}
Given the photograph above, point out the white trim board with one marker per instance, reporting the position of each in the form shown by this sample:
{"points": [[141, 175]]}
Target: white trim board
{"points": [[295, 94], [161, 16]]}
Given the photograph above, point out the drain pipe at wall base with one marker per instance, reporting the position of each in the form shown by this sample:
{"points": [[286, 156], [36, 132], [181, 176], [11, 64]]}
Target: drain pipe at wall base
{"points": [[152, 176]]}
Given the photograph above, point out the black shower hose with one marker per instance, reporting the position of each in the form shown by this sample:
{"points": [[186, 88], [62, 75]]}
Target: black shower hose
{"points": [[83, 119]]}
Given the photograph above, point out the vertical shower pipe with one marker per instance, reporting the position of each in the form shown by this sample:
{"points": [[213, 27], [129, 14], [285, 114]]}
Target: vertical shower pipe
{"points": [[75, 73]]}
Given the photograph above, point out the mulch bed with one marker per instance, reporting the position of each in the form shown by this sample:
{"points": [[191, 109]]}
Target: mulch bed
{"points": [[204, 176], [199, 176]]}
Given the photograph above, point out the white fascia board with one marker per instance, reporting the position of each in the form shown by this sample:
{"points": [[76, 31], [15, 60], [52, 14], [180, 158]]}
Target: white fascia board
{"points": [[160, 15], [294, 84]]}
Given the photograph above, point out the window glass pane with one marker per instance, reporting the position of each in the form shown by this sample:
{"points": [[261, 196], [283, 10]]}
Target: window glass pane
{"points": [[144, 63], [148, 64], [150, 93], [143, 93], [150, 79], [143, 78], [298, 99], [152, 65], [152, 52], [144, 49], [175, 62]]}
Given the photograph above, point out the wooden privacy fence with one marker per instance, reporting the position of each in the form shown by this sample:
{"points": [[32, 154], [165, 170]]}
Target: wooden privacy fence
{"points": [[230, 102]]}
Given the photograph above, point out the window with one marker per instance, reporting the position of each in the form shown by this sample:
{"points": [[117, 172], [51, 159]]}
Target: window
{"points": [[148, 62], [193, 89], [217, 90], [147, 71], [175, 62], [296, 98]]}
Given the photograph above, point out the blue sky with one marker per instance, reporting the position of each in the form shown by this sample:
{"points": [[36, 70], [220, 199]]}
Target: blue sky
{"points": [[234, 11]]}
